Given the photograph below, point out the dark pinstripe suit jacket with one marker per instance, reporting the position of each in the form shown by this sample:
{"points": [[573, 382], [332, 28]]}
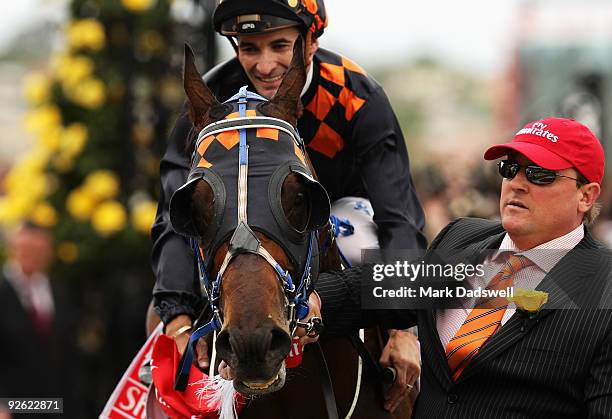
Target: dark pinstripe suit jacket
{"points": [[558, 365]]}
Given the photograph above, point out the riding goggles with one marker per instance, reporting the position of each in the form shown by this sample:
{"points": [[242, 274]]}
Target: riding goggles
{"points": [[534, 174]]}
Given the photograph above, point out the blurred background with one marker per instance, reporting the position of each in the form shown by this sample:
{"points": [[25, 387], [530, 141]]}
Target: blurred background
{"points": [[91, 88]]}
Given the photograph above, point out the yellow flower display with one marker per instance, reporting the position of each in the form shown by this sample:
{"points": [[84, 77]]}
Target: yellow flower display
{"points": [[73, 69], [35, 161], [20, 176], [529, 301], [102, 184], [27, 183], [67, 252], [36, 186], [44, 215], [43, 118], [14, 209], [73, 139], [89, 93], [71, 142], [138, 6], [86, 33], [37, 88], [50, 139], [63, 163], [108, 218], [143, 215], [4, 212], [80, 204]]}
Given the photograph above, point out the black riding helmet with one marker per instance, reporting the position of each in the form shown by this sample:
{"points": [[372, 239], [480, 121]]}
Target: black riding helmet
{"points": [[235, 17]]}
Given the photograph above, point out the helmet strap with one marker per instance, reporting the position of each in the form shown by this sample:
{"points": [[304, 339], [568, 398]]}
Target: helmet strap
{"points": [[233, 43]]}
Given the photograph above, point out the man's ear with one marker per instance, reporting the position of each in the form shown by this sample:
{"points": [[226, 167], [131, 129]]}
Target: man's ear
{"points": [[312, 45], [201, 99], [588, 196], [285, 103]]}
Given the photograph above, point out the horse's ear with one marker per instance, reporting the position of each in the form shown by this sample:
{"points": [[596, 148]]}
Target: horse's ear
{"points": [[201, 99], [286, 103]]}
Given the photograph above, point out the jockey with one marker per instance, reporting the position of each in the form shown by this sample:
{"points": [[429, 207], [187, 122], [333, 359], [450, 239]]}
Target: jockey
{"points": [[352, 135]]}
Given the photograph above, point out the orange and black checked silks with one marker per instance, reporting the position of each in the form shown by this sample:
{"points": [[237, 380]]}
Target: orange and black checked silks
{"points": [[341, 91], [317, 9]]}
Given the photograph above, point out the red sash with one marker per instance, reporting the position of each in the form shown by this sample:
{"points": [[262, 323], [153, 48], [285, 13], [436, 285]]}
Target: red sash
{"points": [[130, 396]]}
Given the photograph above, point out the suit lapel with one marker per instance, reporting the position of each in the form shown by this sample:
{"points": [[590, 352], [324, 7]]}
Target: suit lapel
{"points": [[432, 349], [564, 285]]}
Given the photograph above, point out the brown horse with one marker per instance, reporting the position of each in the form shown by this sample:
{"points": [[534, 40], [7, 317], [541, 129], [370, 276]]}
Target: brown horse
{"points": [[253, 299]]}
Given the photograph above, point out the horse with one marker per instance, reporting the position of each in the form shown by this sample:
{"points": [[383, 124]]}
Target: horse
{"points": [[260, 220]]}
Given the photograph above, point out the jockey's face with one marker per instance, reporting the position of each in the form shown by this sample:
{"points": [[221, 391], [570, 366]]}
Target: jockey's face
{"points": [[266, 57]]}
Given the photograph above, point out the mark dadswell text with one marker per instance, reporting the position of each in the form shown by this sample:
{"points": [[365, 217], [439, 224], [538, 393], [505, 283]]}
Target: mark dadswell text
{"points": [[445, 292]]}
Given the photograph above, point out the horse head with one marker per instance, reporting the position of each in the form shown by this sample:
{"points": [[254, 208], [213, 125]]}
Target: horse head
{"points": [[251, 207]]}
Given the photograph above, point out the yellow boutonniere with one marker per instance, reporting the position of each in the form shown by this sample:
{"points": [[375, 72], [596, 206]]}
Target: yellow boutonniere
{"points": [[528, 301]]}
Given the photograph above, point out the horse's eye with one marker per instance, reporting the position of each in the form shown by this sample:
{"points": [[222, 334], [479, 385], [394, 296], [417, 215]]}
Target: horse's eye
{"points": [[202, 207], [295, 199]]}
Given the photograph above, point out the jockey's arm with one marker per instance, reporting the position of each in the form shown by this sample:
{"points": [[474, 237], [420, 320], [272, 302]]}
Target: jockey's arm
{"points": [[398, 215], [384, 167], [176, 295], [397, 211]]}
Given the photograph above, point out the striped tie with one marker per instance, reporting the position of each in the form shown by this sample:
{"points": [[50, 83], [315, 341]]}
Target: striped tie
{"points": [[484, 319]]}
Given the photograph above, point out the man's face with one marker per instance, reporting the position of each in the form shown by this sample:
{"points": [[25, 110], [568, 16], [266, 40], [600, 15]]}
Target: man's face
{"points": [[31, 250], [535, 214], [266, 57]]}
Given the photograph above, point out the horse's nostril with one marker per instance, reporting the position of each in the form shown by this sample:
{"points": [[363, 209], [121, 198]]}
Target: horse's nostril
{"points": [[223, 345], [263, 345], [281, 341]]}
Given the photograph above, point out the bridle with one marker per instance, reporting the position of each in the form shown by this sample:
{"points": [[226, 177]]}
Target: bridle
{"points": [[244, 240]]}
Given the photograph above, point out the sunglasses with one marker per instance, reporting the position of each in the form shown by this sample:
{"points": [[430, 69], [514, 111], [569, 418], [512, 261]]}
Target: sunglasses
{"points": [[534, 174]]}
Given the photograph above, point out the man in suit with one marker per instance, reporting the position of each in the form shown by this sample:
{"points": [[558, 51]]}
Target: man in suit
{"points": [[37, 327], [494, 360]]}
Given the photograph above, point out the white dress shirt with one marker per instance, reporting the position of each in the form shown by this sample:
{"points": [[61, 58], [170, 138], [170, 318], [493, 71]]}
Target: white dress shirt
{"points": [[34, 292], [544, 258]]}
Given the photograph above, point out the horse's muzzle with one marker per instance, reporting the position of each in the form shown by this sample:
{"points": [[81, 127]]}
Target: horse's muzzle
{"points": [[255, 355]]}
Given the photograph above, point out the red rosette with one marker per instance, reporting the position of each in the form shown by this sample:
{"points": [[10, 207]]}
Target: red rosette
{"points": [[197, 400]]}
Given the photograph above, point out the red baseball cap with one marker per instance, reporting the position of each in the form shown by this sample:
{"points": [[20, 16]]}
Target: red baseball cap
{"points": [[557, 144]]}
